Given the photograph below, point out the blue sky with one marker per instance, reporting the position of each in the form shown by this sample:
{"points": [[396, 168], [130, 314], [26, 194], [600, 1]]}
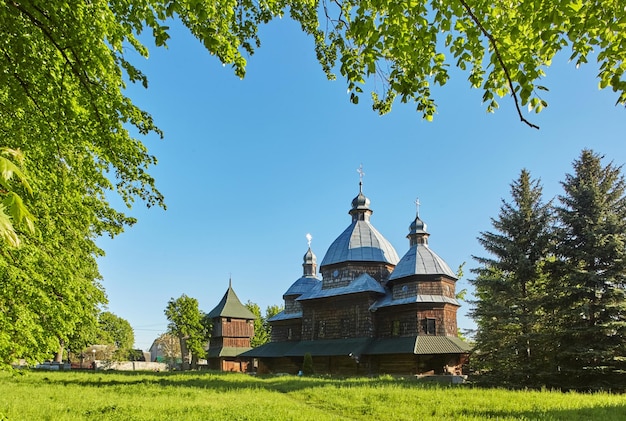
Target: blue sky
{"points": [[249, 167]]}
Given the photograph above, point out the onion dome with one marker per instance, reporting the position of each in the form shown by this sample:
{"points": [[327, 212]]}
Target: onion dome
{"points": [[420, 259], [309, 274], [360, 241]]}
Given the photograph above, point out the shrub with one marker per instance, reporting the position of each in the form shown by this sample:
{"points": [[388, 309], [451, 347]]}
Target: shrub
{"points": [[307, 365]]}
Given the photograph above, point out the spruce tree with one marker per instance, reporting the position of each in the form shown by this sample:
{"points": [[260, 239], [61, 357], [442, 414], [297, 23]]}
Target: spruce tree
{"points": [[590, 276], [509, 288]]}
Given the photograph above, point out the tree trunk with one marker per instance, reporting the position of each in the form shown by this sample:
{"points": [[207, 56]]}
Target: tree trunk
{"points": [[58, 358], [184, 353]]}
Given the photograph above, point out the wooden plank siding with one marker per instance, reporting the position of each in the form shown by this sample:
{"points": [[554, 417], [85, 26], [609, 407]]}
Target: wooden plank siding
{"points": [[288, 330], [338, 317], [233, 328], [348, 271]]}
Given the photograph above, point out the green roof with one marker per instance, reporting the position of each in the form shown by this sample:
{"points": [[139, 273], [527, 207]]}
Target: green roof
{"points": [[230, 306], [330, 347], [441, 345], [226, 351], [270, 350], [419, 345]]}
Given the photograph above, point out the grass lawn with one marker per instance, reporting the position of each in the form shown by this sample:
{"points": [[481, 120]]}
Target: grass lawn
{"points": [[129, 396]]}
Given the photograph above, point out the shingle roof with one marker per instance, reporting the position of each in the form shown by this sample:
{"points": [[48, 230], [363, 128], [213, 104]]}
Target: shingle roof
{"points": [[360, 242], [230, 306], [364, 283], [421, 260]]}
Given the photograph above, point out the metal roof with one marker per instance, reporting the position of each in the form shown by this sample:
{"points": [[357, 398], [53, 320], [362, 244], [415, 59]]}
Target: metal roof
{"points": [[226, 351], [388, 301], [419, 345], [285, 316], [302, 285], [270, 350], [360, 242], [328, 347], [421, 260], [230, 306], [364, 283]]}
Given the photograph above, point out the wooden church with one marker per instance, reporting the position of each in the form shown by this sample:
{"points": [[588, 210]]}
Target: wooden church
{"points": [[371, 312]]}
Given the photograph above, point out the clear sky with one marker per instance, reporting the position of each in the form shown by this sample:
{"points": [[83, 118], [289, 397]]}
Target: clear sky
{"points": [[249, 167]]}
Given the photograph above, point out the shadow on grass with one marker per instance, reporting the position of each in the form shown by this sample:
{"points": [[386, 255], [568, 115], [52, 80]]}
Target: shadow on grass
{"points": [[234, 382], [222, 381], [613, 412]]}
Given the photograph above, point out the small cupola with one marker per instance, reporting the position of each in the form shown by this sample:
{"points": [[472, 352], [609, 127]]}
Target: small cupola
{"points": [[417, 230], [360, 204], [310, 261]]}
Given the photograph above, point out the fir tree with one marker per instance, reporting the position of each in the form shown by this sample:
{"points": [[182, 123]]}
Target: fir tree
{"points": [[590, 276], [509, 288]]}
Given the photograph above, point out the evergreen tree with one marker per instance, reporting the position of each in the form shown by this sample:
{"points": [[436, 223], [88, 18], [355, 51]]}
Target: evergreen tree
{"points": [[509, 286], [590, 276]]}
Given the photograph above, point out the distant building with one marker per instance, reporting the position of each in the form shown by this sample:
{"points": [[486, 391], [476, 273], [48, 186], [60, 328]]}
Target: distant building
{"points": [[371, 312], [233, 328]]}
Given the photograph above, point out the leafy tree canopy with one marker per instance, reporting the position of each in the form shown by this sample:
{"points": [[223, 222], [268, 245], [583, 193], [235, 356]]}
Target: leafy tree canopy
{"points": [[187, 322], [504, 46], [262, 327], [64, 65], [114, 330]]}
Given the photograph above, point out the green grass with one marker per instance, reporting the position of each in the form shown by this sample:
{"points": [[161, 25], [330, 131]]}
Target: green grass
{"points": [[129, 396]]}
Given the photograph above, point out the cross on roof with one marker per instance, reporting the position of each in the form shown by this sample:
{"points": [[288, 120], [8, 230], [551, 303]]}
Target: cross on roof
{"points": [[361, 172], [309, 237], [417, 206]]}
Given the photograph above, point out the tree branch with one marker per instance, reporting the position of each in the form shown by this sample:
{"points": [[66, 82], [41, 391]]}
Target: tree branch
{"points": [[492, 41]]}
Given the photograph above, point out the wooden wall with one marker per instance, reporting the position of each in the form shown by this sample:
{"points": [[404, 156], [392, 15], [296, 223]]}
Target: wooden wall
{"points": [[233, 328], [338, 317], [348, 271]]}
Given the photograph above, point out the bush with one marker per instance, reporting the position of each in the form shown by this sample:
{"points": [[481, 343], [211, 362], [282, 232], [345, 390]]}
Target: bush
{"points": [[307, 365]]}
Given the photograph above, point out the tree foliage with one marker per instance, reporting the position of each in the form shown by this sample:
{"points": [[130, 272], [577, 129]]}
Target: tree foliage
{"points": [[550, 301], [510, 287], [116, 331], [504, 47], [65, 64], [186, 323], [590, 277], [262, 327], [12, 208], [168, 346]]}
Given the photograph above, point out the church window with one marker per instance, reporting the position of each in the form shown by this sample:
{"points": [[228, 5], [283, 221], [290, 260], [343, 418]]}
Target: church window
{"points": [[345, 327], [395, 328], [430, 327], [321, 329], [289, 333]]}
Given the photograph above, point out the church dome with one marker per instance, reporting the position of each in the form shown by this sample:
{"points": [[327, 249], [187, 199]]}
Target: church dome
{"points": [[360, 241], [420, 259]]}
